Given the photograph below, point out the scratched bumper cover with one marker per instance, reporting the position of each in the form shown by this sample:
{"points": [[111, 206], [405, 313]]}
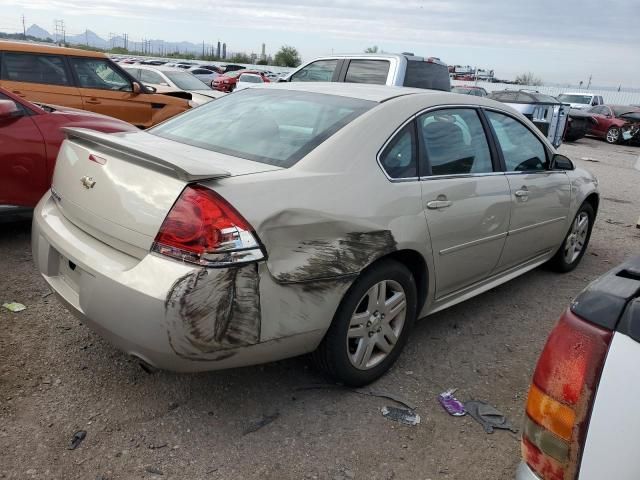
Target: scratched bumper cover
{"points": [[173, 316]]}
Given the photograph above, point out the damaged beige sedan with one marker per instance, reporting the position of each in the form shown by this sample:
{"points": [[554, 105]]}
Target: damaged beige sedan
{"points": [[301, 218]]}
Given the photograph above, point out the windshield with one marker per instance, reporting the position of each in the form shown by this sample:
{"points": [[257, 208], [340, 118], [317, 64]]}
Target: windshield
{"points": [[186, 81], [622, 110], [583, 99], [277, 127]]}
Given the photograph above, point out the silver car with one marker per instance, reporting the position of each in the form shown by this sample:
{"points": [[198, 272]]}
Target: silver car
{"points": [[301, 218]]}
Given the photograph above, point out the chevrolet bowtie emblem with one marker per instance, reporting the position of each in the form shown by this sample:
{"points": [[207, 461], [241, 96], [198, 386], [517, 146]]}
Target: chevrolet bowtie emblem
{"points": [[88, 182]]}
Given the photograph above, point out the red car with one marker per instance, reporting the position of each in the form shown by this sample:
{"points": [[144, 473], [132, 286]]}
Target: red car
{"points": [[30, 137], [227, 82], [616, 123]]}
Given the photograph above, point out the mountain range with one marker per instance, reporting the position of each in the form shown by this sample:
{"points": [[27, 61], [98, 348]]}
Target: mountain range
{"points": [[94, 40]]}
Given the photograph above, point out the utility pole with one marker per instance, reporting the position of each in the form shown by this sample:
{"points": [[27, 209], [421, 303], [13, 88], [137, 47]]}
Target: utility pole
{"points": [[86, 37], [125, 36], [24, 29], [589, 84]]}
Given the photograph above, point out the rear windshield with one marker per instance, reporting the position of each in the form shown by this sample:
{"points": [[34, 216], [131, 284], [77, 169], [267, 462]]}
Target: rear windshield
{"points": [[585, 99], [277, 127], [421, 74]]}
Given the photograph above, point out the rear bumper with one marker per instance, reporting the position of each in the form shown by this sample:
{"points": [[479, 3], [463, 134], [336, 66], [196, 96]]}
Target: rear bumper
{"points": [[142, 306], [525, 473]]}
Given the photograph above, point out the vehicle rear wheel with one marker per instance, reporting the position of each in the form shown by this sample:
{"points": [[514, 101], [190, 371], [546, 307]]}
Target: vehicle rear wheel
{"points": [[613, 135], [575, 243], [371, 326]]}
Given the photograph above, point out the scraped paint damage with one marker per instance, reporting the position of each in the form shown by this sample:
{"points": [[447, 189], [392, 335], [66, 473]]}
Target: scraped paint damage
{"points": [[337, 260], [211, 311]]}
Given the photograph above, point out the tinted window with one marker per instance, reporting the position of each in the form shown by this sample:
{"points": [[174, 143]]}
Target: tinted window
{"points": [[504, 96], [134, 72], [186, 81], [586, 99], [320, 71], [149, 76], [521, 149], [277, 127], [201, 72], [368, 71], [399, 157], [421, 74], [34, 68], [455, 142], [248, 78], [99, 73]]}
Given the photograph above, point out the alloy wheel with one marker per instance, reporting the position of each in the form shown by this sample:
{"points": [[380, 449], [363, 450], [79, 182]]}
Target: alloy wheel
{"points": [[613, 134], [577, 238], [376, 324]]}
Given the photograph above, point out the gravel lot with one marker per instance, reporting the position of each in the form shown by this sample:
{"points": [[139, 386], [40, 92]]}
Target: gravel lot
{"points": [[57, 377]]}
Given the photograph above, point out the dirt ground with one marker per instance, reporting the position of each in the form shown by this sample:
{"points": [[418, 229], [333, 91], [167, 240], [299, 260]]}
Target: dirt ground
{"points": [[57, 377]]}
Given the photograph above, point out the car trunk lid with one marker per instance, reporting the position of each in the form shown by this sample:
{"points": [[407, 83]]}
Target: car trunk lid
{"points": [[119, 188]]}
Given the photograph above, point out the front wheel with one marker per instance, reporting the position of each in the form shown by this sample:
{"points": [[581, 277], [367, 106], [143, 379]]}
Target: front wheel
{"points": [[575, 243], [613, 135], [371, 326]]}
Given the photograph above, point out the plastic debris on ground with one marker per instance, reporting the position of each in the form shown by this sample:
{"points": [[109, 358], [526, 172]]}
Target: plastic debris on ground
{"points": [[77, 439], [14, 306], [488, 416], [401, 415], [451, 404]]}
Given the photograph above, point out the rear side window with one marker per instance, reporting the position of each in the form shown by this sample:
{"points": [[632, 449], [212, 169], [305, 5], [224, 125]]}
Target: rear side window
{"points": [[421, 74], [455, 142], [34, 68], [149, 76], [277, 127], [320, 71], [522, 150], [99, 73], [399, 157], [368, 71]]}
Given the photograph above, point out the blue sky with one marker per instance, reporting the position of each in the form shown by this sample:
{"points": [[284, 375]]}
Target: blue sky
{"points": [[562, 41]]}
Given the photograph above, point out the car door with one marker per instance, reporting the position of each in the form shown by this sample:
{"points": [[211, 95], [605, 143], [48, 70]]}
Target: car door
{"points": [[106, 90], [600, 113], [540, 197], [23, 161], [39, 77], [466, 198]]}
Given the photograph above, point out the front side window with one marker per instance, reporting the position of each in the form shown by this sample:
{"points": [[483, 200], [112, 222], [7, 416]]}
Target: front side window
{"points": [[399, 158], [100, 74], [277, 127], [149, 76], [455, 142], [320, 71], [368, 71], [34, 68], [522, 150]]}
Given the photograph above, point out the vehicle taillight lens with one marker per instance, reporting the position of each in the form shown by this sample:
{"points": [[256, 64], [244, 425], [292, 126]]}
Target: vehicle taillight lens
{"points": [[561, 396], [203, 228]]}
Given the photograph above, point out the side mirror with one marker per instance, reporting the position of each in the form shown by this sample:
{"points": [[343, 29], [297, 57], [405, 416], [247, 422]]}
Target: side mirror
{"points": [[560, 162], [8, 109], [137, 89], [150, 89]]}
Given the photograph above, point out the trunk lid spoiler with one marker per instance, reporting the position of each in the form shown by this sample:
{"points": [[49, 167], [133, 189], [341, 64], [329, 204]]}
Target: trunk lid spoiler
{"points": [[179, 167]]}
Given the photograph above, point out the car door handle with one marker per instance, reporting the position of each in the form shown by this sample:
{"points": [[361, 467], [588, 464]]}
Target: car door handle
{"points": [[93, 101], [437, 204], [522, 193]]}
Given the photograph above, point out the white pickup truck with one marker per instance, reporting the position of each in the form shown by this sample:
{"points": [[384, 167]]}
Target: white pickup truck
{"points": [[582, 418]]}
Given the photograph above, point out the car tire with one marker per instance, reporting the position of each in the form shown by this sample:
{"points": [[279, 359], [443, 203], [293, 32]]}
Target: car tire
{"points": [[613, 135], [345, 353], [575, 242]]}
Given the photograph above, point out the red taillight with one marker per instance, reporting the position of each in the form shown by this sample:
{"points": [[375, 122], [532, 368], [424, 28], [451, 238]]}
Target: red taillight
{"points": [[561, 395], [203, 228]]}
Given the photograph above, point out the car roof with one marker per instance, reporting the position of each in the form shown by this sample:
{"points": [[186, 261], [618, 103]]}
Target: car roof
{"points": [[579, 93], [376, 93], [32, 47], [156, 68]]}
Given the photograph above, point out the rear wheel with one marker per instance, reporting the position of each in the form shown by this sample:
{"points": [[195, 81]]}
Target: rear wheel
{"points": [[371, 326], [613, 135], [575, 243]]}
